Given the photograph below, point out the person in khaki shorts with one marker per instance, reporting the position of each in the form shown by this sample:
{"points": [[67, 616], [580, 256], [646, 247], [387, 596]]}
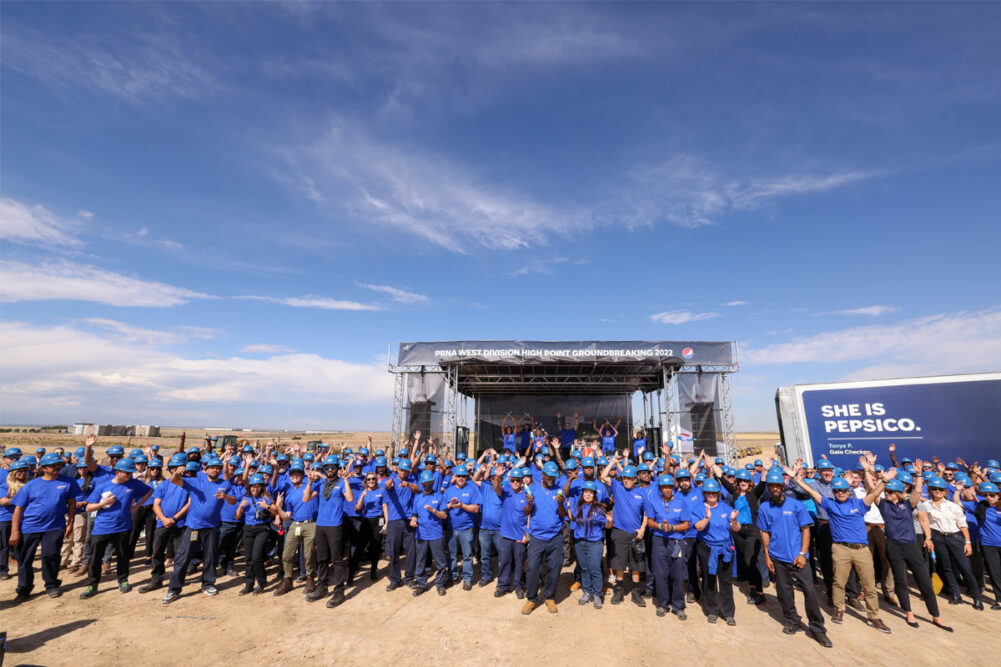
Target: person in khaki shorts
{"points": [[298, 503], [850, 547]]}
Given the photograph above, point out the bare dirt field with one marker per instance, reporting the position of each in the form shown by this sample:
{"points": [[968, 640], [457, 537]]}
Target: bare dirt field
{"points": [[375, 627]]}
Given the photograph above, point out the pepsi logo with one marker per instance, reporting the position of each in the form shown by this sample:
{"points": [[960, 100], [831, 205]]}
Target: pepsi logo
{"points": [[688, 353]]}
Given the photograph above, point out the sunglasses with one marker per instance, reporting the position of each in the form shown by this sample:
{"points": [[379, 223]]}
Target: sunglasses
{"points": [[370, 479]]}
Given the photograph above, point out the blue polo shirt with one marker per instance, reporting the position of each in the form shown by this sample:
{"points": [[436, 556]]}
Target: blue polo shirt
{"points": [[677, 510], [45, 503], [847, 520], [372, 502], [898, 521], [330, 511], [608, 443], [824, 489], [459, 518], [509, 441], [990, 528], [261, 502], [718, 530], [6, 511], [695, 502], [172, 499], [490, 507], [153, 484], [627, 514], [567, 436], [514, 521], [294, 505], [546, 522], [589, 529], [228, 512], [357, 485], [784, 524], [206, 510], [639, 444], [118, 517], [429, 526], [399, 500]]}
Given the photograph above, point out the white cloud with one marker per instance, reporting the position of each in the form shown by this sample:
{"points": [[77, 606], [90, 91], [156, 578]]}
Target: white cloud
{"points": [[735, 303], [873, 311], [53, 281], [265, 348], [323, 303], [397, 294], [681, 317], [964, 341], [134, 334], [36, 225], [542, 267], [71, 373]]}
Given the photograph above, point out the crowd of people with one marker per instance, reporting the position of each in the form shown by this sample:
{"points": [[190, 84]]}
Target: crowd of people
{"points": [[633, 525]]}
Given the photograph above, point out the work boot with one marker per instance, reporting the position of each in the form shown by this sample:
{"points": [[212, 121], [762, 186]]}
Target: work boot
{"points": [[150, 587], [310, 585], [284, 586], [319, 591], [618, 594], [551, 606], [637, 598], [337, 598], [529, 607], [247, 589], [575, 586]]}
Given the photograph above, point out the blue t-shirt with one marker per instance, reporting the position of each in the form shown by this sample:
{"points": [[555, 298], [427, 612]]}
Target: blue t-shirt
{"points": [[627, 514], [330, 511], [576, 486], [514, 521], [172, 499], [608, 443], [254, 504], [45, 503], [969, 506], [459, 518], [990, 528], [429, 526], [545, 522], [524, 438], [399, 500], [639, 446], [294, 504], [697, 504], [509, 441], [153, 484], [677, 510], [847, 520], [372, 502], [356, 484], [784, 524], [588, 524], [6, 511], [567, 436], [743, 510], [228, 512], [898, 522], [490, 507], [205, 510], [117, 518], [718, 530]]}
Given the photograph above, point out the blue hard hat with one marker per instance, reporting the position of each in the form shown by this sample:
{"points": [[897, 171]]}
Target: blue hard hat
{"points": [[396, 460], [589, 486], [363, 451], [928, 474], [648, 456], [234, 461], [719, 460], [987, 487], [155, 448], [380, 461], [996, 478], [51, 459], [281, 457], [758, 462], [19, 465], [461, 456], [430, 458], [140, 458], [515, 473], [404, 452], [744, 475], [30, 460], [237, 473], [824, 464], [177, 459], [906, 459], [936, 482], [727, 470], [675, 459], [449, 463], [643, 467], [683, 474], [603, 461], [248, 449], [571, 464], [587, 462], [700, 478], [330, 460], [426, 476], [116, 450], [840, 484], [191, 466], [710, 486], [665, 480], [156, 463], [126, 465], [309, 456], [993, 463], [905, 478], [951, 466], [878, 468], [39, 451], [297, 466], [895, 485], [134, 453], [775, 477], [266, 470], [347, 451], [460, 471], [629, 471], [80, 452], [195, 450], [256, 479], [213, 462], [11, 452], [838, 471], [550, 469], [748, 466], [405, 465]]}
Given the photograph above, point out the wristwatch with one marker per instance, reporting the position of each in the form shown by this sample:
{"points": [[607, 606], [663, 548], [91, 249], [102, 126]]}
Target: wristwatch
{"points": [[802, 554]]}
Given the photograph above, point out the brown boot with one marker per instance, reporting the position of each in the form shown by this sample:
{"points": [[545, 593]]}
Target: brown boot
{"points": [[284, 586], [310, 585]]}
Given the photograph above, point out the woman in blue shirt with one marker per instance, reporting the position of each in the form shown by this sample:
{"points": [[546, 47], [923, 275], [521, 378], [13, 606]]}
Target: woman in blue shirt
{"points": [[369, 507], [589, 520], [746, 499], [988, 515], [668, 517], [13, 479], [256, 510], [715, 550]]}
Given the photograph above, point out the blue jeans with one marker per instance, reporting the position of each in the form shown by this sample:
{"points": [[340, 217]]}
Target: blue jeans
{"points": [[463, 539], [589, 557], [489, 545], [549, 552], [511, 565], [437, 549]]}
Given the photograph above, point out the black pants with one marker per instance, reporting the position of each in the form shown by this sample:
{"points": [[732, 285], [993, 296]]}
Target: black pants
{"points": [[824, 546], [550, 553], [952, 560], [164, 540], [904, 555], [748, 543], [255, 545], [434, 549], [992, 563], [330, 551], [368, 543], [141, 517], [511, 565], [209, 540], [785, 574], [5, 527], [717, 589], [51, 542], [669, 570], [119, 542], [230, 534], [400, 536]]}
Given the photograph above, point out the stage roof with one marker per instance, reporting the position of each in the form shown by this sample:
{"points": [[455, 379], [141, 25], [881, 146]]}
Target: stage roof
{"points": [[597, 377]]}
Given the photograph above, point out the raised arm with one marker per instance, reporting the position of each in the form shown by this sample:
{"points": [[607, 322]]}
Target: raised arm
{"points": [[817, 498]]}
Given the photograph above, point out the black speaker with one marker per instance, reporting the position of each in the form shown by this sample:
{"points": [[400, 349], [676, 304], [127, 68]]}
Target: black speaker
{"points": [[704, 428], [420, 418]]}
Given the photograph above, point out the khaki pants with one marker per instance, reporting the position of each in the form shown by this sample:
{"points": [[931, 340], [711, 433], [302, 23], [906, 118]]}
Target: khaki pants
{"points": [[877, 547], [846, 557], [72, 553], [307, 538]]}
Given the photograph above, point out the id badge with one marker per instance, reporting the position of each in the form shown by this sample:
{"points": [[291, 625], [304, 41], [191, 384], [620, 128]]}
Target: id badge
{"points": [[298, 530], [382, 521], [194, 535]]}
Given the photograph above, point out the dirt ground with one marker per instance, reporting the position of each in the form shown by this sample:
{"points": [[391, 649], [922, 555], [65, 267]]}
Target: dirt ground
{"points": [[473, 627]]}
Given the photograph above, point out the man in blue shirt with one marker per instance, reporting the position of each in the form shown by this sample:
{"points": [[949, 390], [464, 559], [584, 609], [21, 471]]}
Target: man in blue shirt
{"points": [[41, 509], [207, 492], [822, 484], [114, 500], [430, 514], [490, 519], [463, 502], [626, 548], [398, 502], [170, 505], [850, 549], [297, 505], [567, 434], [546, 511], [332, 493], [785, 537], [513, 534]]}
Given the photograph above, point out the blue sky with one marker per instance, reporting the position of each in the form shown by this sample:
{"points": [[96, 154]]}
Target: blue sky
{"points": [[223, 213]]}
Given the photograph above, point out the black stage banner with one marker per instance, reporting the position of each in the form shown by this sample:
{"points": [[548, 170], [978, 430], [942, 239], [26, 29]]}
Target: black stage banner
{"points": [[688, 353]]}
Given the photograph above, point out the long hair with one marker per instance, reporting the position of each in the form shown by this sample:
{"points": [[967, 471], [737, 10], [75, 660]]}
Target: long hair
{"points": [[14, 484], [592, 508]]}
